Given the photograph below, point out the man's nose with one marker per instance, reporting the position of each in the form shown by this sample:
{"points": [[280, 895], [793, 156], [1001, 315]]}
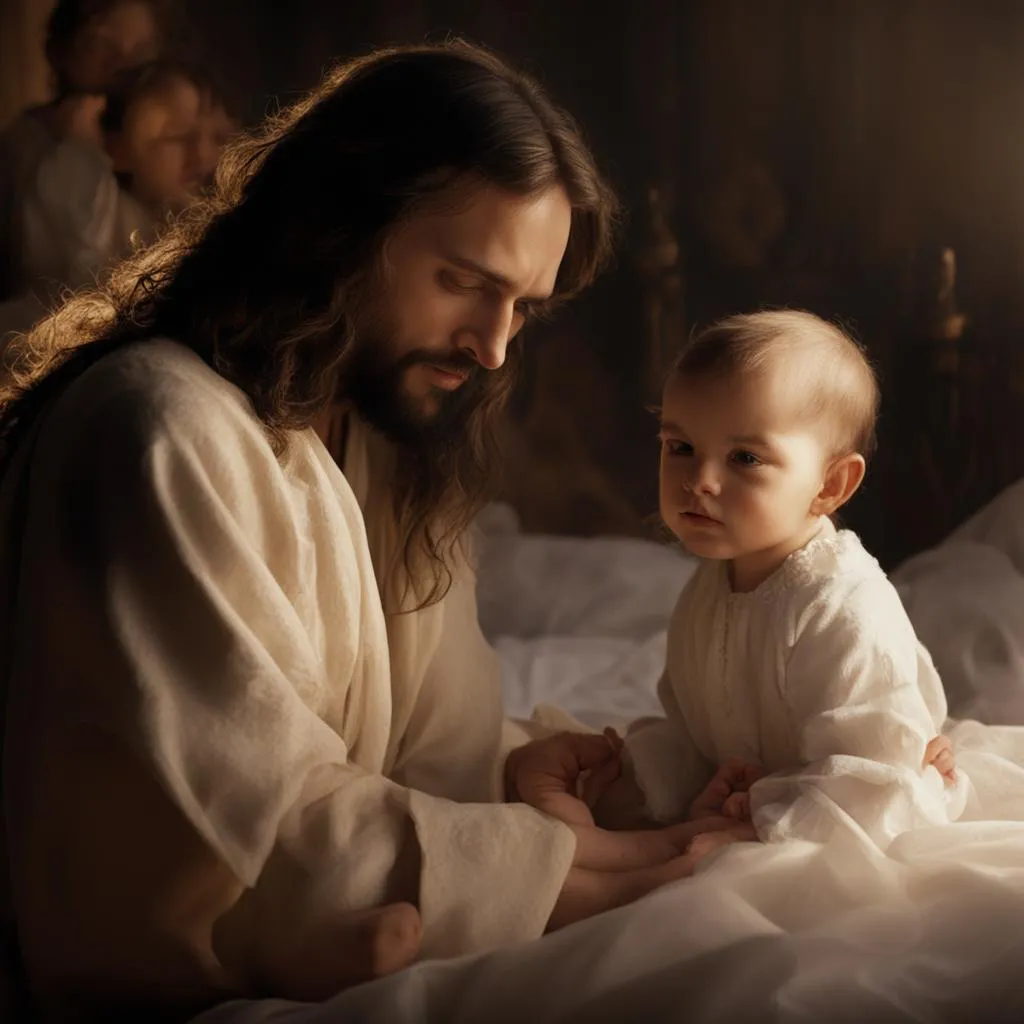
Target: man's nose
{"points": [[487, 341]]}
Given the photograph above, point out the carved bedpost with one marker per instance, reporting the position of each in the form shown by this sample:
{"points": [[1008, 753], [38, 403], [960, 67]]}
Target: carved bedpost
{"points": [[940, 345], [658, 262], [932, 445]]}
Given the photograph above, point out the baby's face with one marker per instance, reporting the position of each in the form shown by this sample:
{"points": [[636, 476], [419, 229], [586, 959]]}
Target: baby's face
{"points": [[739, 468]]}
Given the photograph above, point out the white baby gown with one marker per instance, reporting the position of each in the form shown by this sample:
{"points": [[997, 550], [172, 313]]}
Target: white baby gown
{"points": [[817, 676]]}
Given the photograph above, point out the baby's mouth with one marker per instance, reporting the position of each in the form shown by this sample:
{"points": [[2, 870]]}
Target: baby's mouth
{"points": [[699, 517]]}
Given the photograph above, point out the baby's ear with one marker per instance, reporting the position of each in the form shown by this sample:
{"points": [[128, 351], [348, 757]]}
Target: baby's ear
{"points": [[842, 478]]}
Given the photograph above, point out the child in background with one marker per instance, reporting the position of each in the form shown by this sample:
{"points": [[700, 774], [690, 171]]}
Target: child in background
{"points": [[96, 211], [88, 43], [216, 128], [152, 126]]}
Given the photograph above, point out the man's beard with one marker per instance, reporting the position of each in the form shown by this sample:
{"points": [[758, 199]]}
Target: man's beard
{"points": [[445, 461], [375, 386]]}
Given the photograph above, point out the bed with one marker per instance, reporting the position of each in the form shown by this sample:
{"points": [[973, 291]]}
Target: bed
{"points": [[580, 624]]}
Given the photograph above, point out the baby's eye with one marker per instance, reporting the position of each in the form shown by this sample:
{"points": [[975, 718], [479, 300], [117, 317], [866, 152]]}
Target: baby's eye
{"points": [[746, 459], [678, 447]]}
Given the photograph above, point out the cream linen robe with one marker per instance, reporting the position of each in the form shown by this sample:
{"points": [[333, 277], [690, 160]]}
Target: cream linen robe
{"points": [[207, 750]]}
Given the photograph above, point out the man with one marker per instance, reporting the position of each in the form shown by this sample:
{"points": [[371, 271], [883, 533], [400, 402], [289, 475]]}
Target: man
{"points": [[248, 699]]}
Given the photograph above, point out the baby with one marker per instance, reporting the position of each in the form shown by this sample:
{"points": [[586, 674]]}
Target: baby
{"points": [[792, 668], [789, 651]]}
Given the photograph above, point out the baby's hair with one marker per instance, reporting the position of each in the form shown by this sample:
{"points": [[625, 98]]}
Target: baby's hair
{"points": [[832, 368]]}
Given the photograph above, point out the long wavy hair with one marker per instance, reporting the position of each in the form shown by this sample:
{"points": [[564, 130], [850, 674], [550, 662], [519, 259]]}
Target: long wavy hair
{"points": [[266, 279]]}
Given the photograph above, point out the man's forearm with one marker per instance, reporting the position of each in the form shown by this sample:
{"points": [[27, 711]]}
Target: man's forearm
{"points": [[600, 850], [587, 892]]}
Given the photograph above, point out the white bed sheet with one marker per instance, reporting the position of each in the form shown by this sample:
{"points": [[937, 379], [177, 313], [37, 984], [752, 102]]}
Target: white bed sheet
{"points": [[932, 931], [736, 944], [578, 624]]}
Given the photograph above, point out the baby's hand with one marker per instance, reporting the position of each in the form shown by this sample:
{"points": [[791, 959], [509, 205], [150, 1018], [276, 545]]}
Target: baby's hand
{"points": [[735, 776], [939, 753], [737, 807]]}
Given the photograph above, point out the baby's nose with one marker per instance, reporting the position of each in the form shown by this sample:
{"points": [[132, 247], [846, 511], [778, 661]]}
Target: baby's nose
{"points": [[706, 481]]}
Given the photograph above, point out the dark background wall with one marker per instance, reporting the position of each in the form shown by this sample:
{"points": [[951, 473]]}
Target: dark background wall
{"points": [[820, 153]]}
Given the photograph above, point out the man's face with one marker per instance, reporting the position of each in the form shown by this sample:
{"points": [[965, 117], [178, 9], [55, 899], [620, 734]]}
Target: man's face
{"points": [[461, 280]]}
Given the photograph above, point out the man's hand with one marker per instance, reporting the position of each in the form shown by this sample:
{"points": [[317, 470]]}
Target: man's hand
{"points": [[723, 797], [342, 950], [550, 774], [708, 842], [590, 890], [939, 753]]}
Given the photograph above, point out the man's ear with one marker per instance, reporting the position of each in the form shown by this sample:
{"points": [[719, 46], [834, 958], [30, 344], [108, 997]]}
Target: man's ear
{"points": [[842, 478]]}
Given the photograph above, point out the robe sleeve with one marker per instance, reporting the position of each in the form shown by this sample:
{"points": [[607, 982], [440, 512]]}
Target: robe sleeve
{"points": [[184, 566], [856, 687]]}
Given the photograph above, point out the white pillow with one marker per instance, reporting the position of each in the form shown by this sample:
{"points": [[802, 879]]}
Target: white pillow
{"points": [[535, 585], [965, 598]]}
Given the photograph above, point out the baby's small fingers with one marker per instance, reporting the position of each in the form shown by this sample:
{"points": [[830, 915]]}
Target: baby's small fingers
{"points": [[737, 807], [745, 832], [733, 772], [937, 747], [946, 764]]}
